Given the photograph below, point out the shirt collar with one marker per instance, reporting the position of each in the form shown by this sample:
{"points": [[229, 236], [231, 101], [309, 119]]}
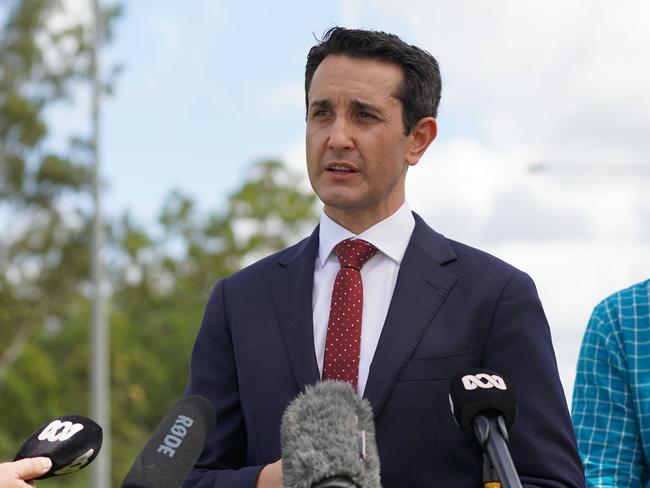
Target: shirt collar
{"points": [[391, 236]]}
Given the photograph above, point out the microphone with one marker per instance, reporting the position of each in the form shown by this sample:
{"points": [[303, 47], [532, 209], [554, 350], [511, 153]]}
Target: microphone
{"points": [[328, 439], [171, 452], [72, 442], [484, 405]]}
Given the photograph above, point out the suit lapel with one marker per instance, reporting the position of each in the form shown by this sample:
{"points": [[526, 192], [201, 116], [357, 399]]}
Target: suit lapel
{"points": [[291, 291], [421, 288]]}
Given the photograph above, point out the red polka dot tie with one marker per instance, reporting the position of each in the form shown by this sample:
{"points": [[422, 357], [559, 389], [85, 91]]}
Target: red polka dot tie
{"points": [[343, 344]]}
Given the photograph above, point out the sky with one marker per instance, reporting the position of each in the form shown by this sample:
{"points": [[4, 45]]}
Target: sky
{"points": [[543, 152]]}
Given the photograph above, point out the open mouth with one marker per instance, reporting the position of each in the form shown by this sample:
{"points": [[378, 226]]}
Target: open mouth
{"points": [[340, 169]]}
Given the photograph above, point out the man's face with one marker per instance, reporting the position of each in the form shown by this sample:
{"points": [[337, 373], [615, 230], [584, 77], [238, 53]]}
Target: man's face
{"points": [[357, 153]]}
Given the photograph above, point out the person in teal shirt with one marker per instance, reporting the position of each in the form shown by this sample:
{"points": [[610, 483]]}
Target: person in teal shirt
{"points": [[611, 397]]}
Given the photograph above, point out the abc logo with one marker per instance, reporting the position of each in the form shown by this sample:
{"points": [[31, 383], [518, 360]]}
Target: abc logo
{"points": [[483, 380], [59, 431], [77, 464]]}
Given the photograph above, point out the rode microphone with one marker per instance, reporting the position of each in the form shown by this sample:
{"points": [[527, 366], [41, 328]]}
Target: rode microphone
{"points": [[171, 452], [483, 405], [328, 439], [72, 442]]}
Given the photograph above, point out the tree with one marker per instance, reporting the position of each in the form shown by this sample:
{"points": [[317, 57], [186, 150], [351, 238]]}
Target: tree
{"points": [[162, 285], [39, 240], [43, 219], [160, 279], [43, 257]]}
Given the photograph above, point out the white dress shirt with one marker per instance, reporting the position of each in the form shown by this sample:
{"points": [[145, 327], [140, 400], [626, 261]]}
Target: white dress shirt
{"points": [[391, 236]]}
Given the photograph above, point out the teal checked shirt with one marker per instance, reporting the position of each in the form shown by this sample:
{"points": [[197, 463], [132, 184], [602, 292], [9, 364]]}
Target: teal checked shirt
{"points": [[611, 398]]}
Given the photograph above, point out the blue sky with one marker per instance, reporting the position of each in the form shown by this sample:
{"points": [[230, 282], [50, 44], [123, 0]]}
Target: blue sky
{"points": [[210, 86]]}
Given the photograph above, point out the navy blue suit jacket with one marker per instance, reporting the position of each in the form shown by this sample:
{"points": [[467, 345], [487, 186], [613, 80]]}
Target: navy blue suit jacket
{"points": [[453, 307]]}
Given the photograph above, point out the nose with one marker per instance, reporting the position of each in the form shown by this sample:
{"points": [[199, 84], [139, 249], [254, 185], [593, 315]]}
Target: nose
{"points": [[340, 137]]}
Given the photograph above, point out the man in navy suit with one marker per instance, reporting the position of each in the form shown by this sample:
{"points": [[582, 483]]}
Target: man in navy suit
{"points": [[431, 307]]}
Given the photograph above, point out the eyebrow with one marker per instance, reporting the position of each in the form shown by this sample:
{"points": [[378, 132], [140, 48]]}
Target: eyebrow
{"points": [[355, 103], [361, 105], [319, 103]]}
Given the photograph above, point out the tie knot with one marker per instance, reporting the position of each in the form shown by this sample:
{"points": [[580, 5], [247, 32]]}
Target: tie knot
{"points": [[354, 253]]}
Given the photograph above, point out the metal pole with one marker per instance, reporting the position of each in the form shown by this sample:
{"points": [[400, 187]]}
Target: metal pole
{"points": [[100, 357]]}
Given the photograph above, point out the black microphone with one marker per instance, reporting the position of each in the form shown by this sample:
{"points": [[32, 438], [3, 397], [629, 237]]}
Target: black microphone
{"points": [[171, 452], [328, 439], [72, 442], [484, 405]]}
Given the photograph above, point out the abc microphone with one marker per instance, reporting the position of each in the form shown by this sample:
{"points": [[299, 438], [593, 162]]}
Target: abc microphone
{"points": [[328, 439], [72, 442], [171, 452], [484, 405]]}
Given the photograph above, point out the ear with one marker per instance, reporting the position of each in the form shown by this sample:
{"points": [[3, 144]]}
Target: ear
{"points": [[422, 134]]}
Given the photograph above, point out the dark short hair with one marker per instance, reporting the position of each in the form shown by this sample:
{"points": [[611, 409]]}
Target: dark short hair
{"points": [[420, 92]]}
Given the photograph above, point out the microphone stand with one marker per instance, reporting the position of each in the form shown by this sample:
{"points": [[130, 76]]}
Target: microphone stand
{"points": [[492, 435], [490, 478]]}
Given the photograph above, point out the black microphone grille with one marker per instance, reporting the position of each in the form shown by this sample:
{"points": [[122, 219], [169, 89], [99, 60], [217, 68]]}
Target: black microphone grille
{"points": [[173, 449], [477, 391], [72, 442]]}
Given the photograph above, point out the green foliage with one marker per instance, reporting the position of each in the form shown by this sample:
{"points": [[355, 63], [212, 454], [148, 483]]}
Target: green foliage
{"points": [[44, 258], [160, 286], [37, 68], [160, 278]]}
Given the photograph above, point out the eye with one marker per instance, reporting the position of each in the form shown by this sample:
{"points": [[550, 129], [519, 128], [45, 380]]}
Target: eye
{"points": [[319, 113], [365, 115]]}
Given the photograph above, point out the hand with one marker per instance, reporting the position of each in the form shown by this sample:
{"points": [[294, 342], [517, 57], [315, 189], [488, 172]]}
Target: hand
{"points": [[18, 473], [270, 476]]}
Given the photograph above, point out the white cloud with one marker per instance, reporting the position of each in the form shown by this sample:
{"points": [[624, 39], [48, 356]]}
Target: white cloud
{"points": [[478, 193], [563, 79]]}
